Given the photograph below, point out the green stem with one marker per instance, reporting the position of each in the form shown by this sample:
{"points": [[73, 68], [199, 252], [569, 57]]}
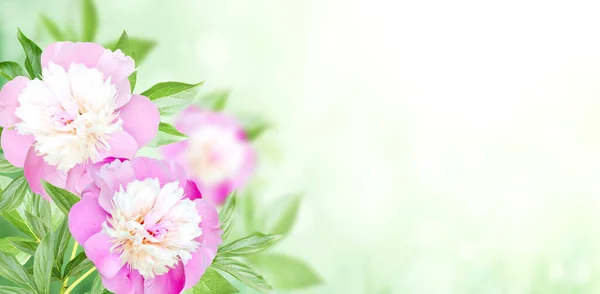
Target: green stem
{"points": [[79, 280], [66, 282]]}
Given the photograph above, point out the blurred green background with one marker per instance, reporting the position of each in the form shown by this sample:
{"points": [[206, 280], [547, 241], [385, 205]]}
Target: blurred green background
{"points": [[443, 146]]}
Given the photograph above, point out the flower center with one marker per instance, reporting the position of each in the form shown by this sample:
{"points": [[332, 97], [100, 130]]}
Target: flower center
{"points": [[70, 114], [214, 154], [153, 228]]}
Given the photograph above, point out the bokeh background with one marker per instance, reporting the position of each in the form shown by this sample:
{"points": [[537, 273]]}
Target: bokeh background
{"points": [[443, 146]]}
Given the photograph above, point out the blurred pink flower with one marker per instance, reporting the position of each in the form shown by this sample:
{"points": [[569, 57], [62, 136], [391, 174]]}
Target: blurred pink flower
{"points": [[80, 112], [145, 226], [217, 154]]}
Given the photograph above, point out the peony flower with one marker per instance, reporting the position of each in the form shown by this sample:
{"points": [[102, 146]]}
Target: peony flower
{"points": [[217, 154], [145, 226], [78, 113]]}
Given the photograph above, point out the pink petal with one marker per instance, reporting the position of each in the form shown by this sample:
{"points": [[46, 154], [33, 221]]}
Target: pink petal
{"points": [[9, 102], [86, 218], [109, 177], [97, 249], [65, 53], [126, 281], [194, 117], [121, 144], [140, 119], [211, 231], [195, 267], [36, 169], [114, 65], [164, 171], [15, 146], [170, 283], [77, 179]]}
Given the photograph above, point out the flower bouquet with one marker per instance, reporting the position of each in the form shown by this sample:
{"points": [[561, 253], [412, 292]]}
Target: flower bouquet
{"points": [[91, 215]]}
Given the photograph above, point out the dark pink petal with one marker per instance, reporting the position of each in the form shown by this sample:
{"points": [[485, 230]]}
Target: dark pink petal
{"points": [[9, 102], [15, 146], [97, 249], [170, 283], [36, 169], [140, 119], [191, 191], [121, 144], [86, 218]]}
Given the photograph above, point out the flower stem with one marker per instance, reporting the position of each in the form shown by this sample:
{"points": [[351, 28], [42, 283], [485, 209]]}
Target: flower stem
{"points": [[66, 282], [79, 280]]}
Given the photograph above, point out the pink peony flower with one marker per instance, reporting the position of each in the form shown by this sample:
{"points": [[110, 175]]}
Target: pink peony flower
{"points": [[145, 226], [217, 154], [80, 112]]}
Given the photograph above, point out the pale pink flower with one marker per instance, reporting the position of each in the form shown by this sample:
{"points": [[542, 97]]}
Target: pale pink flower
{"points": [[217, 155], [145, 226], [80, 112]]}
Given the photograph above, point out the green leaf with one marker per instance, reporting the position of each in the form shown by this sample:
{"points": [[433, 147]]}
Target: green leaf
{"points": [[11, 270], [286, 272], [227, 214], [89, 18], [253, 126], [15, 218], [24, 245], [33, 53], [287, 217], [7, 247], [243, 273], [14, 290], [132, 80], [10, 70], [213, 283], [137, 48], [215, 100], [254, 243], [78, 265], [167, 134], [61, 242], [63, 198], [13, 195], [123, 43], [37, 225], [172, 97], [52, 28], [39, 207], [42, 265], [97, 287]]}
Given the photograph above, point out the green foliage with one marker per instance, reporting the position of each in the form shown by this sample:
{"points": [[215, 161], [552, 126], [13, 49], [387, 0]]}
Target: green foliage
{"points": [[89, 20], [13, 271], [97, 287], [243, 273], [10, 70], [62, 198], [172, 97], [252, 244], [167, 134], [227, 214], [43, 262], [212, 283], [286, 272], [77, 266], [253, 126], [287, 215], [215, 100], [12, 196], [33, 53], [52, 28]]}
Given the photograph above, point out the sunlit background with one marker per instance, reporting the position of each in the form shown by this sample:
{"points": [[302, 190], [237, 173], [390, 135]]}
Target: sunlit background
{"points": [[443, 146]]}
